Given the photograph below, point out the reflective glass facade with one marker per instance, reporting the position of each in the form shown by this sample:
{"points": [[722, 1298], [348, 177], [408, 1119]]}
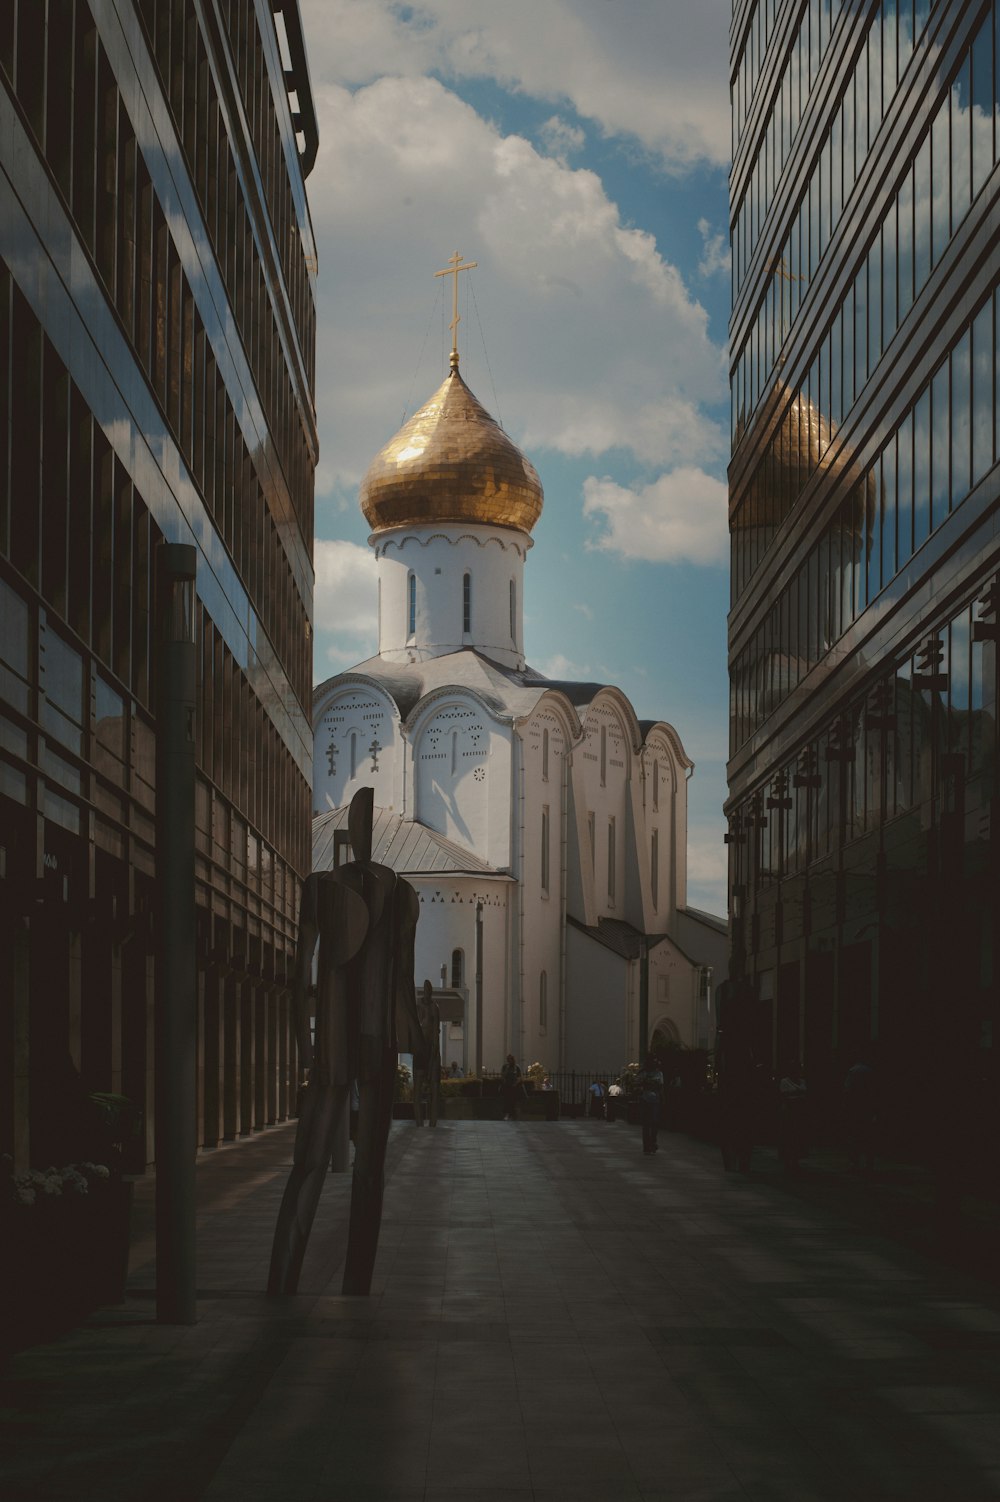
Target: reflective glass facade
{"points": [[863, 518], [157, 340]]}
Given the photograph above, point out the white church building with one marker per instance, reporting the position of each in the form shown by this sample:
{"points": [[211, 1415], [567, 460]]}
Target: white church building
{"points": [[543, 825]]}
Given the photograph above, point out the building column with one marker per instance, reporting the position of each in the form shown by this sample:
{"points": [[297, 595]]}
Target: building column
{"points": [[247, 1055], [211, 1053], [231, 1057]]}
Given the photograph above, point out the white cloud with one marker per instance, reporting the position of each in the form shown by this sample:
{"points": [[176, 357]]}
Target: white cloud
{"points": [[708, 869], [680, 518], [584, 610], [594, 339], [716, 254], [659, 76], [561, 139], [345, 603], [561, 668]]}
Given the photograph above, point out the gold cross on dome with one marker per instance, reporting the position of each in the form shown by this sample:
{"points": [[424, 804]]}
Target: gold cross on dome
{"points": [[454, 266]]}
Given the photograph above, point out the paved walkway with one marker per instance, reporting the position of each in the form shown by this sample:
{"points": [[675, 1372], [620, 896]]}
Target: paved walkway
{"points": [[554, 1318]]}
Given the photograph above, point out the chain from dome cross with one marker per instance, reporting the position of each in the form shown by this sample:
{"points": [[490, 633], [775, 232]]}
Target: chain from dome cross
{"points": [[454, 266]]}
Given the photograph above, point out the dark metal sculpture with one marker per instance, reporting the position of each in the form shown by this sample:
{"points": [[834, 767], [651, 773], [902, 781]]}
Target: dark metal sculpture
{"points": [[429, 1069], [364, 918]]}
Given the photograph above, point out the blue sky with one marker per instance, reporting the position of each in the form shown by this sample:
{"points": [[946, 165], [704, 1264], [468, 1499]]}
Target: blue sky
{"points": [[577, 150]]}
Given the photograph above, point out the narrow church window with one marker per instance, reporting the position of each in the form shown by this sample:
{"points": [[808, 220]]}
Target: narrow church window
{"points": [[411, 585], [354, 754], [454, 752], [379, 606], [604, 755], [457, 969], [654, 867], [656, 786], [466, 603], [611, 860], [545, 756], [543, 1002], [545, 848], [513, 602], [593, 839]]}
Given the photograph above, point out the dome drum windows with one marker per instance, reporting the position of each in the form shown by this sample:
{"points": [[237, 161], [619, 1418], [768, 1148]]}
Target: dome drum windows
{"points": [[466, 604]]}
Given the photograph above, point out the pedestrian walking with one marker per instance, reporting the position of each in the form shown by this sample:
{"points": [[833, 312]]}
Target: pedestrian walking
{"points": [[650, 1083], [595, 1090], [793, 1106], [510, 1087], [615, 1094]]}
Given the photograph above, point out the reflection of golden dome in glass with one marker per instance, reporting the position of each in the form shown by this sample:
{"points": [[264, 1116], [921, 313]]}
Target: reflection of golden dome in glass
{"points": [[451, 463]]}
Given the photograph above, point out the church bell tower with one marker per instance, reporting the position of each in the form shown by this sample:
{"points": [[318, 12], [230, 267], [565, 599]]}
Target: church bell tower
{"points": [[451, 502]]}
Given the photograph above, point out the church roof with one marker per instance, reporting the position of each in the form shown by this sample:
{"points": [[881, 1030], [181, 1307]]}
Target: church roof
{"points": [[614, 934], [403, 844], [451, 463], [508, 693]]}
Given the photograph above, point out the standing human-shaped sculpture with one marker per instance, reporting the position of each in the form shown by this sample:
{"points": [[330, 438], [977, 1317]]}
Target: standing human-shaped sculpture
{"points": [[364, 918], [430, 1028]]}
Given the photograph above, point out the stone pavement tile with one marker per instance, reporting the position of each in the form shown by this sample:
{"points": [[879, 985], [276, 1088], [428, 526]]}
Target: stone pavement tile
{"points": [[616, 1489], [694, 1489], [944, 1399]]}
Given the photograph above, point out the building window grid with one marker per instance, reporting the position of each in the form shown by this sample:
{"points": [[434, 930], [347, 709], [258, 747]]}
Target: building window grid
{"points": [[866, 98], [900, 746], [234, 242], [959, 169], [886, 516], [138, 262], [92, 560], [883, 291]]}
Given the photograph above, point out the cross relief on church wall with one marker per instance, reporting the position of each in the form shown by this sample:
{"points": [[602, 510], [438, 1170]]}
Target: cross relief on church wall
{"points": [[352, 736], [457, 738]]}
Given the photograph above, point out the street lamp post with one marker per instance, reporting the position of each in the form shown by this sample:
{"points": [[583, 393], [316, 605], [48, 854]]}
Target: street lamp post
{"points": [[643, 996], [479, 990], [176, 984]]}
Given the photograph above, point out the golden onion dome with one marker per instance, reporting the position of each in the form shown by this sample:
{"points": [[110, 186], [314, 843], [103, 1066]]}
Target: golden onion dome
{"points": [[451, 463]]}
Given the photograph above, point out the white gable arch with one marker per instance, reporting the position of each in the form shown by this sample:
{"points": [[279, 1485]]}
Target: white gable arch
{"points": [[355, 744], [451, 739]]}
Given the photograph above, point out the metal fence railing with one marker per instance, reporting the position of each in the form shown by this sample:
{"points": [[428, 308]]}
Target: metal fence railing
{"points": [[574, 1084]]}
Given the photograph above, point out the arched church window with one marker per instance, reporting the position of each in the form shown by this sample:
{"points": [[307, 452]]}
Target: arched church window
{"points": [[545, 848], [545, 756], [611, 860], [466, 603], [354, 754], [654, 867], [457, 969], [513, 611], [604, 754], [411, 604], [543, 1002], [656, 786], [454, 752], [379, 608]]}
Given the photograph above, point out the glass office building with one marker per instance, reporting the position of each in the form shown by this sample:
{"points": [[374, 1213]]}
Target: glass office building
{"points": [[157, 334], [863, 835]]}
